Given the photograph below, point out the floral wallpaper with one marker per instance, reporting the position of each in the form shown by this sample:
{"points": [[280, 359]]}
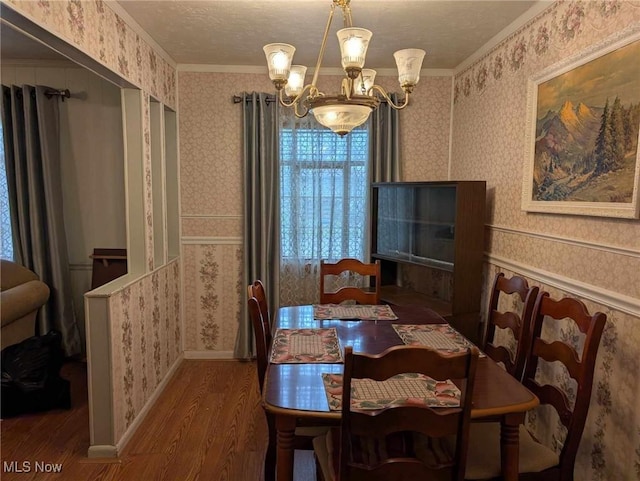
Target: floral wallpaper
{"points": [[488, 142], [146, 336], [212, 188], [213, 296], [147, 188], [95, 29], [146, 340]]}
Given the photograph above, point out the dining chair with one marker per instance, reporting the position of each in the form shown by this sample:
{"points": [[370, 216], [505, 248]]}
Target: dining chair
{"points": [[518, 323], [537, 461], [256, 289], [304, 435], [350, 292], [406, 441], [260, 329]]}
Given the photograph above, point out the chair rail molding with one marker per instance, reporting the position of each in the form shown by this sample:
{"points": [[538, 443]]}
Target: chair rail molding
{"points": [[617, 301], [210, 216], [623, 251], [205, 240]]}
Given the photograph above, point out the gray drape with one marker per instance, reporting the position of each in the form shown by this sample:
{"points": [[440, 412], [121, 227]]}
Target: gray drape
{"points": [[384, 143], [261, 207], [32, 155], [384, 149]]}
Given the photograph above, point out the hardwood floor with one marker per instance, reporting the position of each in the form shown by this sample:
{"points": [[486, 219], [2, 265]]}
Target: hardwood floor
{"points": [[208, 424]]}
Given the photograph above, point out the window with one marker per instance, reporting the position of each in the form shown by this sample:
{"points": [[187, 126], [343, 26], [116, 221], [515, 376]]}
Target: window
{"points": [[6, 243], [324, 192]]}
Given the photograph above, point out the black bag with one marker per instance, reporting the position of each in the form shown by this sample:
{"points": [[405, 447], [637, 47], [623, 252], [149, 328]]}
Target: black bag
{"points": [[31, 379]]}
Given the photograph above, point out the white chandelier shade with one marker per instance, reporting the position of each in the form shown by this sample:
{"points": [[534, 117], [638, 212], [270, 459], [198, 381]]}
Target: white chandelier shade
{"points": [[353, 46], [295, 81], [358, 95]]}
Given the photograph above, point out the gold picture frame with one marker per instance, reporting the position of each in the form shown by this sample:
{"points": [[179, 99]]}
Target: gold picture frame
{"points": [[583, 135]]}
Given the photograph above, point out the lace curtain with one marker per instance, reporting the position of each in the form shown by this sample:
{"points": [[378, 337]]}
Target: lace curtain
{"points": [[324, 201]]}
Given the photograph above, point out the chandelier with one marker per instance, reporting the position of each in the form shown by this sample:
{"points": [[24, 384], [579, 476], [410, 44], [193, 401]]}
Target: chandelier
{"points": [[357, 98]]}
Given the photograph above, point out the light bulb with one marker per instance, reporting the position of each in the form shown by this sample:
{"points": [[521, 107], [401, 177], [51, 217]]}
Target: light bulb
{"points": [[280, 60]]}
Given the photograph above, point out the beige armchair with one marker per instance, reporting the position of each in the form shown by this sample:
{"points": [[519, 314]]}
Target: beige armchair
{"points": [[22, 295]]}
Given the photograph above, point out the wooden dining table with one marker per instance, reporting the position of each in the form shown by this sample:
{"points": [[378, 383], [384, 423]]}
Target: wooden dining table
{"points": [[294, 392]]}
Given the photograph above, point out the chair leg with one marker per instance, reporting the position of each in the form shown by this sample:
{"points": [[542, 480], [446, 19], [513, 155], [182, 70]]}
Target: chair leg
{"points": [[270, 457], [319, 476]]}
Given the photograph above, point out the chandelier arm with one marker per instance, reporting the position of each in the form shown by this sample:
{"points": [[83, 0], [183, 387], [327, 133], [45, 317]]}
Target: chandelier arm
{"points": [[384, 93], [294, 101], [297, 113], [324, 44]]}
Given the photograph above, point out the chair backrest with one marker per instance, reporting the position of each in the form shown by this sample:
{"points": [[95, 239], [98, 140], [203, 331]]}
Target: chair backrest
{"points": [[259, 330], [258, 291], [358, 294], [579, 367], [426, 430], [518, 323]]}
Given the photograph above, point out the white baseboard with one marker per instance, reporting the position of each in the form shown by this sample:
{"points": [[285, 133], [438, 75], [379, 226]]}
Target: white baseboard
{"points": [[615, 300], [208, 355], [126, 437], [102, 451]]}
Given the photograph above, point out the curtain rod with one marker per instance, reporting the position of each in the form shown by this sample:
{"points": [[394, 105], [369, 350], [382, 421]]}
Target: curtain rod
{"points": [[272, 98], [63, 93], [238, 98]]}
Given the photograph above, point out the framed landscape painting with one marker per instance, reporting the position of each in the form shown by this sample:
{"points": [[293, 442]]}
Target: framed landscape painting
{"points": [[583, 127]]}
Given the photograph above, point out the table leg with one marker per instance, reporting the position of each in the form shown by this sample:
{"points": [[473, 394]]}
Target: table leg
{"points": [[286, 426], [509, 446], [270, 457]]}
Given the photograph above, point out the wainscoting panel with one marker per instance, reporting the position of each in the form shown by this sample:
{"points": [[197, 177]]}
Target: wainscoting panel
{"points": [[213, 290], [146, 342]]}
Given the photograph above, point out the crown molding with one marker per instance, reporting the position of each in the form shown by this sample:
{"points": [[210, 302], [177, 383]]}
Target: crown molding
{"points": [[510, 29], [262, 70]]}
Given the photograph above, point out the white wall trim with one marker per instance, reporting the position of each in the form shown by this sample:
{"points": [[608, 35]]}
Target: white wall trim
{"points": [[209, 355], [102, 451], [612, 249], [122, 282], [126, 437], [262, 70], [135, 26], [202, 240], [209, 216], [615, 300], [87, 266], [451, 112], [207, 68], [510, 29]]}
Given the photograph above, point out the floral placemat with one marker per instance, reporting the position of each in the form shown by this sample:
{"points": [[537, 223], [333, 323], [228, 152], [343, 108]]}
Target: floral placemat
{"points": [[354, 311], [306, 346], [441, 337], [410, 389]]}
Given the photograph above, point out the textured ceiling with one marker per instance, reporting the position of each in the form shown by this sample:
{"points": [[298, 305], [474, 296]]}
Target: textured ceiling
{"points": [[232, 32]]}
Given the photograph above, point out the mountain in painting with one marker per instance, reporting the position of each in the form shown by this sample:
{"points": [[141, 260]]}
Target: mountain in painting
{"points": [[564, 137], [578, 147]]}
